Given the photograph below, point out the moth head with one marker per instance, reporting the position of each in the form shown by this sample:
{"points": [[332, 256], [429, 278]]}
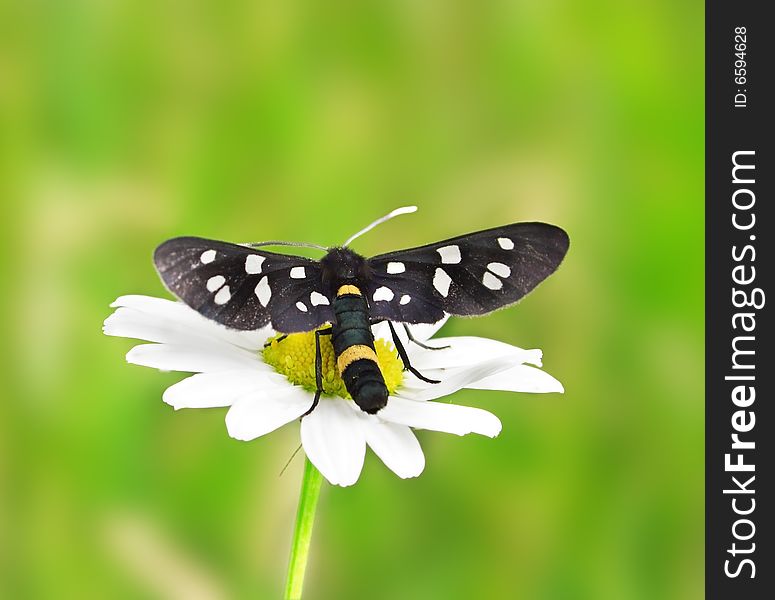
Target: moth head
{"points": [[342, 265]]}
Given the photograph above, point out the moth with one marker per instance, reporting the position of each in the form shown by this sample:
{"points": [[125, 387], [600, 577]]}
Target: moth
{"points": [[244, 287]]}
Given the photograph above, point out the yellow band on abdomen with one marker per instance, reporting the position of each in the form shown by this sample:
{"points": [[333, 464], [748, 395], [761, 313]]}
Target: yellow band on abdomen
{"points": [[348, 289], [353, 353]]}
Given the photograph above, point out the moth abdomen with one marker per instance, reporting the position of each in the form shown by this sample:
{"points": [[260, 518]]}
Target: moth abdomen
{"points": [[366, 385], [356, 358]]}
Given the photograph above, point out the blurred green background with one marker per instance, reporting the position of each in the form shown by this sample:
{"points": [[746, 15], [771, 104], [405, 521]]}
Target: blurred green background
{"points": [[126, 123]]}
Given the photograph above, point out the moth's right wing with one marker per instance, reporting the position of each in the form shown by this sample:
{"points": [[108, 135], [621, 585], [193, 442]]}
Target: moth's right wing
{"points": [[468, 275]]}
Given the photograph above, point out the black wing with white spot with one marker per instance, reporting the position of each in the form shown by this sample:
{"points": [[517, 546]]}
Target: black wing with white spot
{"points": [[468, 275], [244, 288]]}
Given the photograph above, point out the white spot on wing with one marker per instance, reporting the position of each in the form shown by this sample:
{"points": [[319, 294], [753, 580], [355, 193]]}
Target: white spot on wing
{"points": [[393, 268], [383, 293], [215, 282], [253, 264], [506, 243], [450, 255], [263, 292], [301, 306], [405, 299], [441, 281], [316, 298], [207, 257], [499, 269], [223, 295], [298, 273], [491, 281]]}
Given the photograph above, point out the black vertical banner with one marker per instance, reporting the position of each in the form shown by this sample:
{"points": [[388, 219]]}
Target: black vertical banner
{"points": [[740, 258]]}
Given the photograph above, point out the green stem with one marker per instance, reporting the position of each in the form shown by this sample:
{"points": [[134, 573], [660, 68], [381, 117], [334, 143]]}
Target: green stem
{"points": [[305, 518]]}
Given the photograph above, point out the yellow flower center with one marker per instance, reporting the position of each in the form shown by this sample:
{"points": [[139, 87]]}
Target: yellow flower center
{"points": [[294, 357]]}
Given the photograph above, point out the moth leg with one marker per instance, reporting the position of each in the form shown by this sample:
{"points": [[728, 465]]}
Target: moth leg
{"points": [[278, 340], [318, 368], [420, 344], [405, 357], [287, 464]]}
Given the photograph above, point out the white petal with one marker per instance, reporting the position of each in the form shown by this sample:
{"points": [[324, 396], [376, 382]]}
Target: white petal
{"points": [[382, 331], [420, 331], [520, 379], [207, 390], [438, 416], [395, 444], [161, 312], [262, 411], [177, 357], [131, 323], [423, 331], [466, 350], [334, 441], [450, 380]]}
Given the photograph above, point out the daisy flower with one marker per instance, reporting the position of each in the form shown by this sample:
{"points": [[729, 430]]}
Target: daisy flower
{"points": [[268, 381]]}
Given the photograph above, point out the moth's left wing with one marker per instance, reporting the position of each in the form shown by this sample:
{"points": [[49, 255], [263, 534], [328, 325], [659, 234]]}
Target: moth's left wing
{"points": [[242, 287], [467, 275]]}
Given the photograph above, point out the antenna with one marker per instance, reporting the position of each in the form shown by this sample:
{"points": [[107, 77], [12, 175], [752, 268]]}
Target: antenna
{"points": [[404, 210], [281, 243]]}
